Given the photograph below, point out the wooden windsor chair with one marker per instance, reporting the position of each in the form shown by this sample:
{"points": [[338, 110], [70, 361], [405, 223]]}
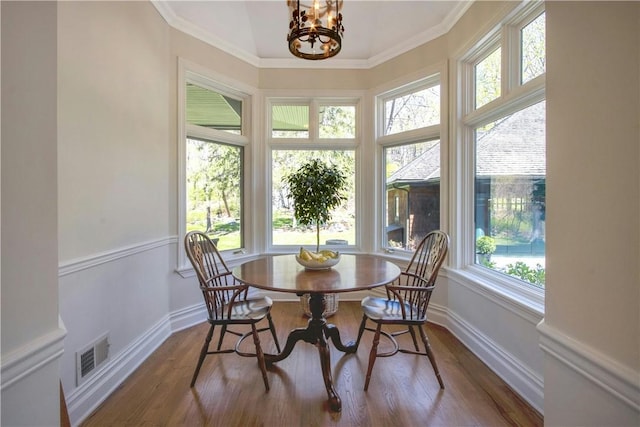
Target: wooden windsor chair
{"points": [[406, 303], [228, 303]]}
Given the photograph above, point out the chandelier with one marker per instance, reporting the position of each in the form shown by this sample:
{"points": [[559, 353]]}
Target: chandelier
{"points": [[315, 31]]}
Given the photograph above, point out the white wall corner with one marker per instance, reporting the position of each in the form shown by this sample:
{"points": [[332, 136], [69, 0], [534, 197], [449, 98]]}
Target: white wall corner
{"points": [[620, 382], [29, 374], [25, 360]]}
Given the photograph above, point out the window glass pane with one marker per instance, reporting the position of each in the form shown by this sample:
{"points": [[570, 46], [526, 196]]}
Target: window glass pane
{"points": [[510, 183], [487, 79], [341, 229], [210, 109], [412, 111], [337, 121], [533, 49], [290, 121], [214, 191], [412, 192]]}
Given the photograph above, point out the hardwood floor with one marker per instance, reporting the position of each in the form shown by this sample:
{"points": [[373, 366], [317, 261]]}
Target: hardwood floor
{"points": [[230, 392]]}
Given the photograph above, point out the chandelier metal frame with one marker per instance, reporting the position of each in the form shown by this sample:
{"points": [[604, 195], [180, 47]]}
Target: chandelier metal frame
{"points": [[314, 25]]}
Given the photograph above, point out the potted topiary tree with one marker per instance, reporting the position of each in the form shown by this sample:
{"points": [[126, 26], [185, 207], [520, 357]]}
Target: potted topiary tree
{"points": [[316, 190]]}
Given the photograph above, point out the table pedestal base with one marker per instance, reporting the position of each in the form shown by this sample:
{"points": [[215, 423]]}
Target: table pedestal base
{"points": [[317, 332]]}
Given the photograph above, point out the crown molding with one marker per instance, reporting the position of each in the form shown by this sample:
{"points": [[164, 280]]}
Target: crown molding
{"points": [[419, 39]]}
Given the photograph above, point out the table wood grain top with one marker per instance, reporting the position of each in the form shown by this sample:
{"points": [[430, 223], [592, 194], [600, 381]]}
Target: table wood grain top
{"points": [[282, 273]]}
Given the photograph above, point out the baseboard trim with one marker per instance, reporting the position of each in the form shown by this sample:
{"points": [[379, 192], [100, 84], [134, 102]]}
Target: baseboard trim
{"points": [[519, 377], [83, 400], [611, 376], [188, 317]]}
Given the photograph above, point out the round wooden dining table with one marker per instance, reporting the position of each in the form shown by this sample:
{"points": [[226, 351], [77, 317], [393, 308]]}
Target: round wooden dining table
{"points": [[282, 273]]}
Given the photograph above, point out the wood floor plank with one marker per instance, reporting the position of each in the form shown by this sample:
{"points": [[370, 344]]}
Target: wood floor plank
{"points": [[230, 392]]}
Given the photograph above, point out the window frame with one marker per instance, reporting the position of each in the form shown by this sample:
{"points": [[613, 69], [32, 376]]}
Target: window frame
{"points": [[189, 72], [313, 142], [514, 97], [423, 79]]}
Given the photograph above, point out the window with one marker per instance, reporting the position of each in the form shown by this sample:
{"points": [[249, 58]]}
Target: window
{"points": [[341, 229], [510, 194], [411, 110], [302, 130], [413, 192], [213, 110], [337, 121], [290, 121], [533, 57], [487, 78], [212, 149], [410, 129], [507, 143], [214, 191]]}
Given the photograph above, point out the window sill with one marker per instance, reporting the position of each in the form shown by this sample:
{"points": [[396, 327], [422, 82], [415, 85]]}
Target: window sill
{"points": [[528, 300]]}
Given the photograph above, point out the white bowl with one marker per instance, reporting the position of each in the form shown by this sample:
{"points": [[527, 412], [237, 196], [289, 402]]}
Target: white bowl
{"points": [[317, 265]]}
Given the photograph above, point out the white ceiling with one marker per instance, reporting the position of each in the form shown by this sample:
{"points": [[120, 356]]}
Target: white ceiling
{"points": [[256, 31]]}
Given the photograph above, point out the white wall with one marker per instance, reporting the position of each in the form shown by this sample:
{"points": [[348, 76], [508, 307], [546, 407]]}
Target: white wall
{"points": [[116, 249], [31, 336], [116, 203], [591, 331]]}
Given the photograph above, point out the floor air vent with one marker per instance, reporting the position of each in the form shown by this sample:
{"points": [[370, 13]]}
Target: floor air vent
{"points": [[90, 357]]}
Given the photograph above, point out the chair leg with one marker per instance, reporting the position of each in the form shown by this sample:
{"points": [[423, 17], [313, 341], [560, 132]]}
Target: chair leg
{"points": [[430, 355], [222, 332], [273, 331], [361, 330], [203, 354], [260, 354], [372, 356], [413, 336]]}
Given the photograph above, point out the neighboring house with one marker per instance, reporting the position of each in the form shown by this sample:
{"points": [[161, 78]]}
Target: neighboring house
{"points": [[509, 188], [413, 198]]}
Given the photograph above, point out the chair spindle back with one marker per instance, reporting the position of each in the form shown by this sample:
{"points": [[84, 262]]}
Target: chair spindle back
{"points": [[421, 273], [216, 281]]}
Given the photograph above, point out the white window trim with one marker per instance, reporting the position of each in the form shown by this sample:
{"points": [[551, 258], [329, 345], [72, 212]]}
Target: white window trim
{"points": [[191, 72], [314, 142], [514, 97]]}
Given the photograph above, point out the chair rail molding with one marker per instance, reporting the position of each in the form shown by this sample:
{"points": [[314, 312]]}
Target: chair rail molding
{"points": [[21, 362], [73, 266], [617, 380]]}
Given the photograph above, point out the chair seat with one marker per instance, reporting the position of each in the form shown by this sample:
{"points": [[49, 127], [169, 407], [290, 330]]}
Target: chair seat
{"points": [[387, 311], [254, 308]]}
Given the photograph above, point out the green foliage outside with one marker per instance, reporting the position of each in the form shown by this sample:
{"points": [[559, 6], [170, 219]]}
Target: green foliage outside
{"points": [[535, 276], [485, 245], [519, 270]]}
